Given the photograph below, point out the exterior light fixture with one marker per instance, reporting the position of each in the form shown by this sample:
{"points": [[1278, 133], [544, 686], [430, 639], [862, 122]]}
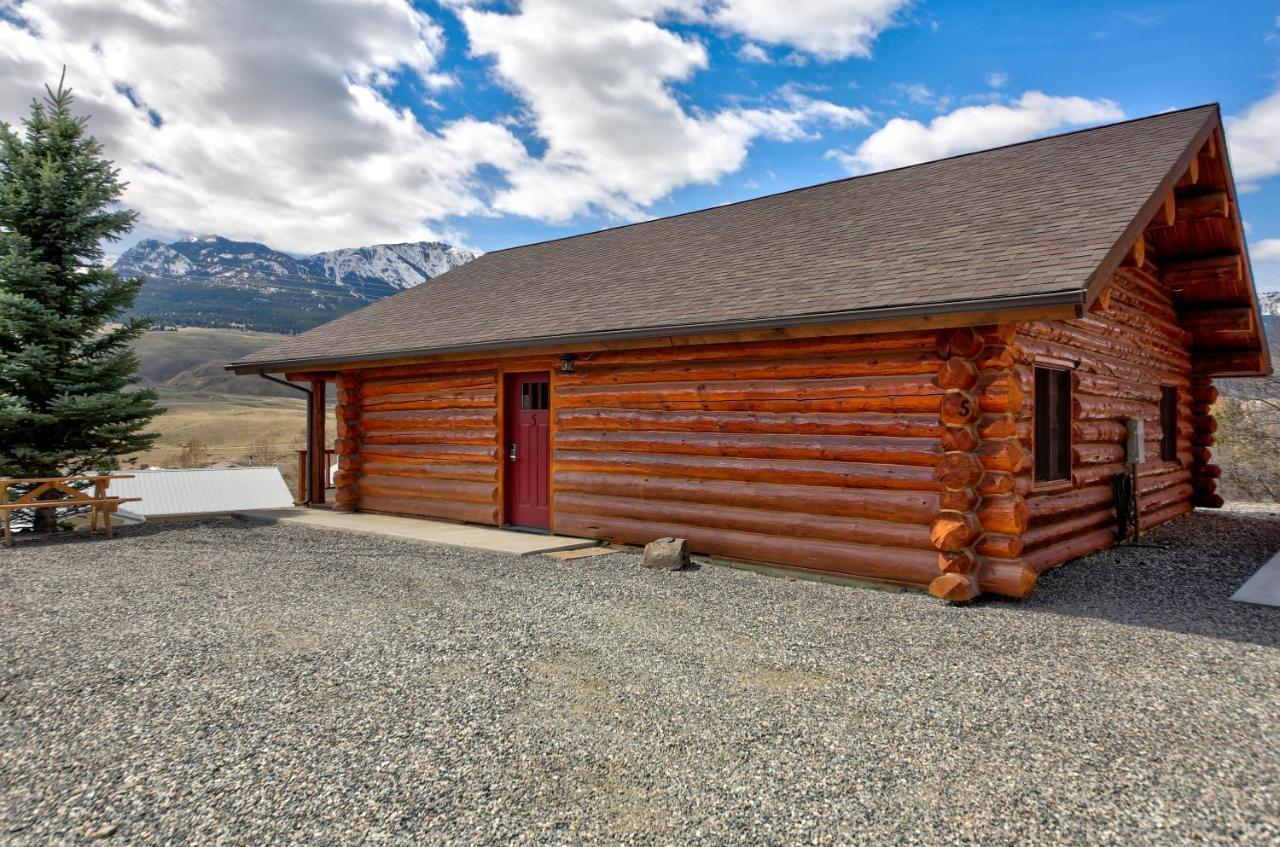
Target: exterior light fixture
{"points": [[566, 363]]}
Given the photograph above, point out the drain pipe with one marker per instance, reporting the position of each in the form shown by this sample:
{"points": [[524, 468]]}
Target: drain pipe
{"points": [[306, 478]]}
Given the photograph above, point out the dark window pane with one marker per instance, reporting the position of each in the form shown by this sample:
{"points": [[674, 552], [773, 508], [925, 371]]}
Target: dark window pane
{"points": [[1168, 423], [524, 395], [536, 396], [1052, 424]]}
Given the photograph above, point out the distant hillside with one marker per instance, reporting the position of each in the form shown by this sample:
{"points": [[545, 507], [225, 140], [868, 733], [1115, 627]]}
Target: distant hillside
{"points": [[190, 362], [212, 281]]}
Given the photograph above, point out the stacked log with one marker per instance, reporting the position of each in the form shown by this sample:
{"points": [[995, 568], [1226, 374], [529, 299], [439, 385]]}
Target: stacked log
{"points": [[816, 453], [1204, 475], [977, 531], [429, 442], [1120, 353], [347, 443]]}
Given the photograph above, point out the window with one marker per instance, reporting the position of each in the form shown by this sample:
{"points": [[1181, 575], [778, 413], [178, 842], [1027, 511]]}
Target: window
{"points": [[1168, 423], [1053, 424], [535, 395]]}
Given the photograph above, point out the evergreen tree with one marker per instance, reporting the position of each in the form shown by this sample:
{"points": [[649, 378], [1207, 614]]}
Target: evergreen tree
{"points": [[65, 367]]}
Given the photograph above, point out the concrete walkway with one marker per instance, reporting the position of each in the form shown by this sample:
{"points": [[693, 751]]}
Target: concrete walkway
{"points": [[427, 531]]}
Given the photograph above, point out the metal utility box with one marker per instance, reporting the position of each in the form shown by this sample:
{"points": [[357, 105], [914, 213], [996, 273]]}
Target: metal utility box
{"points": [[1134, 441]]}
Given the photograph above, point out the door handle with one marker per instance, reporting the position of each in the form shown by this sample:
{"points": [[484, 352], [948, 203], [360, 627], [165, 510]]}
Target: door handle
{"points": [[511, 453]]}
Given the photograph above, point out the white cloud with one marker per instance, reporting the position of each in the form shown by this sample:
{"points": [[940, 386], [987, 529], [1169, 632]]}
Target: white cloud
{"points": [[260, 121], [1266, 250], [1266, 258], [829, 29], [906, 142], [916, 92], [752, 52], [275, 122], [997, 79], [1254, 139], [597, 76], [923, 95]]}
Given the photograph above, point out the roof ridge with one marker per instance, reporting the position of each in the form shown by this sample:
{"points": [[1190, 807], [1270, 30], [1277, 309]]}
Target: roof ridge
{"points": [[785, 192]]}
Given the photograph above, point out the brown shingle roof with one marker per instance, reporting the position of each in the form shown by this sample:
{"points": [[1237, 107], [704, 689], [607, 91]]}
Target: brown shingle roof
{"points": [[1032, 220]]}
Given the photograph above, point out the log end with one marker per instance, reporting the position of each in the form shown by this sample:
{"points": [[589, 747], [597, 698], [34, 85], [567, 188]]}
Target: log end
{"points": [[963, 439], [957, 588], [960, 561], [964, 342], [959, 408], [957, 373], [959, 470], [954, 531], [958, 500]]}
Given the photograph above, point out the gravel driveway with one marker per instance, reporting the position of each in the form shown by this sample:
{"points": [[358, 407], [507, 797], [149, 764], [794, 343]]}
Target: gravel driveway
{"points": [[230, 682]]}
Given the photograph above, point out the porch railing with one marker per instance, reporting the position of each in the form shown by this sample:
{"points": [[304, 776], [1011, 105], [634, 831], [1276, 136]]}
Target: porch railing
{"points": [[300, 495]]}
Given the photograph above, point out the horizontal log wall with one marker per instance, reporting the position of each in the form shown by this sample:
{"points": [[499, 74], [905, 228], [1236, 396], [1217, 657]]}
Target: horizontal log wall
{"points": [[813, 453], [429, 442], [1120, 355], [903, 457]]}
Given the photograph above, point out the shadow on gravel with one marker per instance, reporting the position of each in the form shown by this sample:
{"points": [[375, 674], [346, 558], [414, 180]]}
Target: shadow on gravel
{"points": [[156, 529], [1178, 578]]}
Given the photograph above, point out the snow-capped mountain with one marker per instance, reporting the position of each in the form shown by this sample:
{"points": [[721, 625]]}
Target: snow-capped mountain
{"points": [[399, 265], [1269, 302], [209, 280]]}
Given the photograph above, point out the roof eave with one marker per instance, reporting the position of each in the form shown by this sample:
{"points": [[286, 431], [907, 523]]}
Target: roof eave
{"points": [[1007, 307], [1212, 127], [1124, 244]]}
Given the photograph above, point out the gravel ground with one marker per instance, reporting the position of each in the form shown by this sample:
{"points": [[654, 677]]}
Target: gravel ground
{"points": [[230, 682]]}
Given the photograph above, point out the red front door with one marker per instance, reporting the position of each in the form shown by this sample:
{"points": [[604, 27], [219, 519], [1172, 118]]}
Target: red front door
{"points": [[528, 449]]}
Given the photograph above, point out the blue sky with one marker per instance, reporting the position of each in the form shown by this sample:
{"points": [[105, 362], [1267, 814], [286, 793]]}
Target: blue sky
{"points": [[956, 50], [497, 123]]}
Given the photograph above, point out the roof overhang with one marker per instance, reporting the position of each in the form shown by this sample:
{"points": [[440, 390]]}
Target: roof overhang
{"points": [[1057, 304], [1237, 348]]}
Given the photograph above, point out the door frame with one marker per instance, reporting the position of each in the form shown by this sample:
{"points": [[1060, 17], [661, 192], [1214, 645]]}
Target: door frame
{"points": [[507, 379]]}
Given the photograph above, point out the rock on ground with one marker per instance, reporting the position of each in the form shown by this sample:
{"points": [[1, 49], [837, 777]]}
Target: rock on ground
{"points": [[667, 554]]}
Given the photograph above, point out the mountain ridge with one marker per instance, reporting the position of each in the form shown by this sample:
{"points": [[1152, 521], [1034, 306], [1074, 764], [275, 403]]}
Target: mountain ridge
{"points": [[212, 281], [1269, 302]]}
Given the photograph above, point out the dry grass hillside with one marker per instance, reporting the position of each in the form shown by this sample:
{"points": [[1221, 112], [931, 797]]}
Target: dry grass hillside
{"points": [[190, 360], [212, 415], [1248, 437]]}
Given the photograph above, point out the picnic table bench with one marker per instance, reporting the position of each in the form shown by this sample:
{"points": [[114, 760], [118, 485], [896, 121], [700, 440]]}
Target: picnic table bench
{"points": [[100, 505]]}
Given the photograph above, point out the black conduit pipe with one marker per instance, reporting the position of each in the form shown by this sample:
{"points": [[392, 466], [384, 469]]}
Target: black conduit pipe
{"points": [[306, 481]]}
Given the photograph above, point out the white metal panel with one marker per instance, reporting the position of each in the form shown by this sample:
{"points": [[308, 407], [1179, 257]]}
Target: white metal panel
{"points": [[1263, 588], [203, 490]]}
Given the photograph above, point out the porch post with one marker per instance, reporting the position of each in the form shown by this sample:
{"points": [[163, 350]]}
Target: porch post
{"points": [[319, 476]]}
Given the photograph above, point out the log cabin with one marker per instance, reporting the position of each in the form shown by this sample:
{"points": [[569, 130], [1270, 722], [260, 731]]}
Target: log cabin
{"points": [[941, 376]]}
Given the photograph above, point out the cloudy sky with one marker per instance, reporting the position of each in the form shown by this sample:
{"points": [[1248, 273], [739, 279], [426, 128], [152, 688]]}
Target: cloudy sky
{"points": [[316, 124]]}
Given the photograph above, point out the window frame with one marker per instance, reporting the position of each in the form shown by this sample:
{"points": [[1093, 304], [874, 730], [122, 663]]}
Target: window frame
{"points": [[1061, 371]]}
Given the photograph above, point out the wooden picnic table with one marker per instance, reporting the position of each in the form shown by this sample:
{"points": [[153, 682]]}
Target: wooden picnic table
{"points": [[100, 505]]}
